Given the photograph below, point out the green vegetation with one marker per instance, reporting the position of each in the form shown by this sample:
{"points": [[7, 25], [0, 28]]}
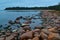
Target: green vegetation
{"points": [[22, 8], [55, 7]]}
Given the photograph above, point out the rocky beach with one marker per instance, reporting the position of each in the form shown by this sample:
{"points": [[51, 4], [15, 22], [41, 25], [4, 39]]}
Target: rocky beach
{"points": [[48, 30]]}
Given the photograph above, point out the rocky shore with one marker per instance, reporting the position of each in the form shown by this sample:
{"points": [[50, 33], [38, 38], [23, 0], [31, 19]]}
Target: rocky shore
{"points": [[49, 29]]}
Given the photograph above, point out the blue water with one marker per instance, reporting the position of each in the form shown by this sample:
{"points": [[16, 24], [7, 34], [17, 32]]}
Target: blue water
{"points": [[5, 16]]}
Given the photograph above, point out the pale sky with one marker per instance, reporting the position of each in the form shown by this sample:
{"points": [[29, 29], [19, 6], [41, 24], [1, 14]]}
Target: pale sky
{"points": [[27, 3]]}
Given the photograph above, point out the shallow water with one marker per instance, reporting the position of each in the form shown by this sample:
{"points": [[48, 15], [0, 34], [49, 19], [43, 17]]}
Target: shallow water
{"points": [[5, 16]]}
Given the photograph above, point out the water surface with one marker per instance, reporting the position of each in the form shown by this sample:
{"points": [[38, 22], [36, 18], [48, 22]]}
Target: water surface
{"points": [[5, 16]]}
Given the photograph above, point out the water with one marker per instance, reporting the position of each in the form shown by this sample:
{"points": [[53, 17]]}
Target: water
{"points": [[5, 16]]}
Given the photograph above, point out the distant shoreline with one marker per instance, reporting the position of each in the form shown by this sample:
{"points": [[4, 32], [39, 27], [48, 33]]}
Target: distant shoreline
{"points": [[22, 8], [54, 7]]}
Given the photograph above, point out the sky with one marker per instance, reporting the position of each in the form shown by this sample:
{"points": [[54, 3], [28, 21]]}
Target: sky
{"points": [[27, 3]]}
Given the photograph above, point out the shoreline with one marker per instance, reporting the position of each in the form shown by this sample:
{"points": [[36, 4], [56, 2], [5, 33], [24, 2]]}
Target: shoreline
{"points": [[47, 14]]}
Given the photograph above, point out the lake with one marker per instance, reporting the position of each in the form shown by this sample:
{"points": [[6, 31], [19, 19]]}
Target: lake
{"points": [[5, 16]]}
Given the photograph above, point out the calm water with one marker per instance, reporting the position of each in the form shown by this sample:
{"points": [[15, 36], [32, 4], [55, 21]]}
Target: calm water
{"points": [[5, 16]]}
